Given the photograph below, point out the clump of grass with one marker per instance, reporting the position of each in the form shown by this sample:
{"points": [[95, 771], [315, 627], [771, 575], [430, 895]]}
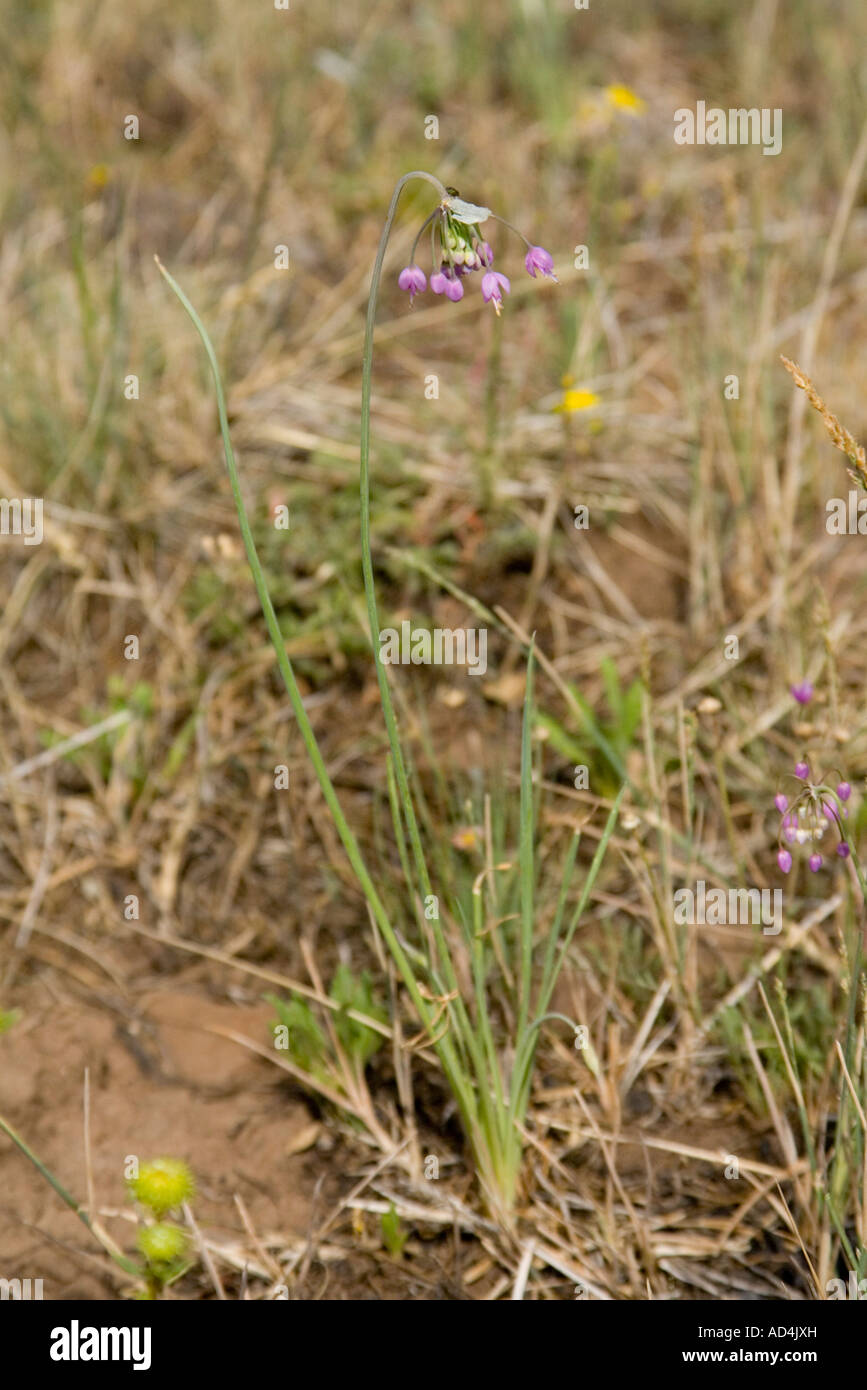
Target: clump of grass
{"points": [[603, 744]]}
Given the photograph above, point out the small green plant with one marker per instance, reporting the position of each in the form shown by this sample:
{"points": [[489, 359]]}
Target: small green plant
{"points": [[394, 1237], [356, 992], [137, 701], [161, 1186], [324, 1055], [297, 1032], [602, 744], [8, 1019]]}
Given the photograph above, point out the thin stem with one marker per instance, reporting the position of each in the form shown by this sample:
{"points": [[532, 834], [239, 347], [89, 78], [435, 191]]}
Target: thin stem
{"points": [[367, 568], [426, 223], [127, 1265], [497, 218]]}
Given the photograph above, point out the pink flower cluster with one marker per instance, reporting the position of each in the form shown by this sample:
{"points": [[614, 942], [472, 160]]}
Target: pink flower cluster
{"points": [[458, 251], [815, 809]]}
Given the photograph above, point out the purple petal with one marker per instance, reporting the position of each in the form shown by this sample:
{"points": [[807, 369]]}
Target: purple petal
{"points": [[539, 260], [412, 278], [493, 284]]}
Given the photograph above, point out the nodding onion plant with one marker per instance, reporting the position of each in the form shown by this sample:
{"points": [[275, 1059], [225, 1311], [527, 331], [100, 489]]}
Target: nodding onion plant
{"points": [[490, 1080]]}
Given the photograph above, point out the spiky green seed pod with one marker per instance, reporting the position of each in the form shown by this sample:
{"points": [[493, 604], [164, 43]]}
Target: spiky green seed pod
{"points": [[162, 1244], [162, 1184]]}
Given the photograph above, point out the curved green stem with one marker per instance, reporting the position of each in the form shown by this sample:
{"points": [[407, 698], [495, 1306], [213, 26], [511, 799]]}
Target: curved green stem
{"points": [[456, 1007], [367, 569]]}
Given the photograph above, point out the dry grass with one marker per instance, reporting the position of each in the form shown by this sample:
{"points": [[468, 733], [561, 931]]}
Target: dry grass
{"points": [[840, 436]]}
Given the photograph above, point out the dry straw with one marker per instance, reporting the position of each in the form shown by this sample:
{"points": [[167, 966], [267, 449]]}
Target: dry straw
{"points": [[839, 435]]}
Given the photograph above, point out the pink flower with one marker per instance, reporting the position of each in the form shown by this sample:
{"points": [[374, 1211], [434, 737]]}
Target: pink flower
{"points": [[538, 259], [803, 692], [441, 282], [815, 810], [413, 279], [493, 284]]}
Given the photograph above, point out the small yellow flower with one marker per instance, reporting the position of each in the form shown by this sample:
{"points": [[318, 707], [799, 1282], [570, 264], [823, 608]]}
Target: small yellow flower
{"points": [[98, 176], [161, 1244], [625, 99], [576, 400], [162, 1184], [467, 839]]}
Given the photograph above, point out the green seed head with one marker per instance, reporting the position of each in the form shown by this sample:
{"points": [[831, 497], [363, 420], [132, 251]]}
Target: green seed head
{"points": [[162, 1184], [161, 1244]]}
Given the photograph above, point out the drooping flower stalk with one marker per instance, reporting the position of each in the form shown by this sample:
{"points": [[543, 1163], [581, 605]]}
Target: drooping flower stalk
{"points": [[816, 808], [454, 227], [424, 890], [491, 1118], [457, 250]]}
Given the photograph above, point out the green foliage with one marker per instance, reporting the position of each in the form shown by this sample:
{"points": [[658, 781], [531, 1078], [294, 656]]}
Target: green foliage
{"points": [[394, 1237], [356, 993], [139, 701], [603, 744], [215, 597], [309, 1046], [812, 1023]]}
